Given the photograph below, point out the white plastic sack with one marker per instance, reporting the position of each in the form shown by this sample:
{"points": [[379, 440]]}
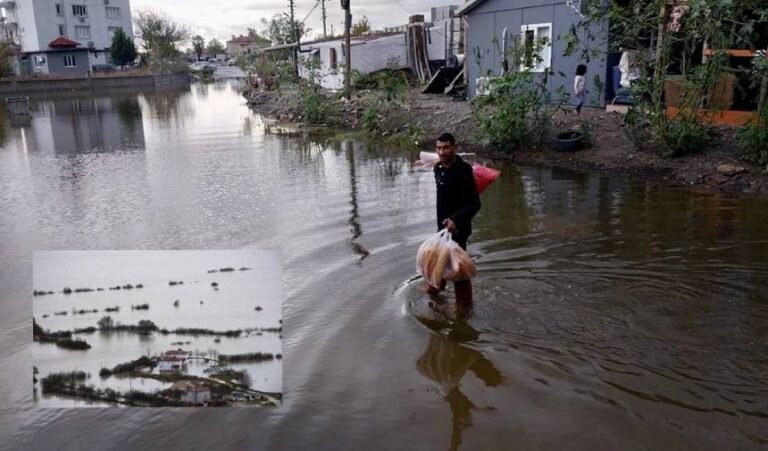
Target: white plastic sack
{"points": [[440, 258]]}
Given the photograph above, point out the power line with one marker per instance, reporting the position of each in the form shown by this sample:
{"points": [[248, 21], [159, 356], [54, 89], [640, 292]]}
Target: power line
{"points": [[404, 8]]}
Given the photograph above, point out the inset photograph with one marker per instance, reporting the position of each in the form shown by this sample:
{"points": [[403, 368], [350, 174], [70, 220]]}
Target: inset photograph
{"points": [[157, 328]]}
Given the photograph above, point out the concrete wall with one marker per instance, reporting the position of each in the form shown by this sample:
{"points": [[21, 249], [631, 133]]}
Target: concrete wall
{"points": [[491, 17], [69, 84], [25, 13]]}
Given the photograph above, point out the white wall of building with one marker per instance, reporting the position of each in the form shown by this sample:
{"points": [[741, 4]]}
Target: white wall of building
{"points": [[367, 57], [25, 13]]}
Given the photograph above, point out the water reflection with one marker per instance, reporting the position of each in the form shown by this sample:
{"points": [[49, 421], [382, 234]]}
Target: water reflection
{"points": [[172, 105], [354, 218], [446, 361], [83, 124]]}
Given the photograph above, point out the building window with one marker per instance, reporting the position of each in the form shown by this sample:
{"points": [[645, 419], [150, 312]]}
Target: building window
{"points": [[62, 30], [113, 12], [59, 9], [334, 60], [537, 41], [69, 61], [79, 11], [83, 31]]}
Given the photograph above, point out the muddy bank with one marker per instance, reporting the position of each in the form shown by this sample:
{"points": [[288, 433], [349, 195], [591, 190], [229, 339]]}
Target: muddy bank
{"points": [[718, 168]]}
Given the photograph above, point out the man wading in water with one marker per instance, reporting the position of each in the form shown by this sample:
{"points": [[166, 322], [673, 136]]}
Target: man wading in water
{"points": [[457, 203]]}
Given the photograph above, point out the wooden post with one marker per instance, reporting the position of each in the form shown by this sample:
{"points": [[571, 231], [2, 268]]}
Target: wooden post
{"points": [[348, 55]]}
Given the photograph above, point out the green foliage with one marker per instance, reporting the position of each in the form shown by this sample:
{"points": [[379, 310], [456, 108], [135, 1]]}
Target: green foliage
{"points": [[362, 26], [6, 55], [388, 89], [198, 45], [315, 107], [279, 30], [635, 27], [123, 50], [519, 107], [161, 36], [754, 136], [215, 47]]}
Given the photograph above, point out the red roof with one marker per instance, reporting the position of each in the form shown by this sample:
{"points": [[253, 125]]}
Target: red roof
{"points": [[62, 42], [198, 388], [241, 40]]}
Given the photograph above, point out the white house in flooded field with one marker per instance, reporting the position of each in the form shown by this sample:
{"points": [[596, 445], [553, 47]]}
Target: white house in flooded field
{"points": [[368, 54], [172, 361], [196, 394]]}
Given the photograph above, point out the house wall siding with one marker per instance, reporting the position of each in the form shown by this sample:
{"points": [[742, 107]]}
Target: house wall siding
{"points": [[56, 63], [491, 17]]}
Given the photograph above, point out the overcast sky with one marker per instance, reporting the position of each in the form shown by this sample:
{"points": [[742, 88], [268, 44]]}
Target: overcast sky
{"points": [[221, 19]]}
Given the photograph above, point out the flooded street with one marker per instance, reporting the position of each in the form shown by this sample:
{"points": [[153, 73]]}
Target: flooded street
{"points": [[609, 313]]}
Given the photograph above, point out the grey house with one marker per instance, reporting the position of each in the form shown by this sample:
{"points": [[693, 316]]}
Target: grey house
{"points": [[63, 57], [488, 19]]}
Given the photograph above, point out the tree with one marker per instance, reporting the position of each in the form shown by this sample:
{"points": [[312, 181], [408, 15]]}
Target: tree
{"points": [[160, 35], [123, 50], [279, 30], [198, 45], [215, 47], [6, 56], [362, 26], [105, 323]]}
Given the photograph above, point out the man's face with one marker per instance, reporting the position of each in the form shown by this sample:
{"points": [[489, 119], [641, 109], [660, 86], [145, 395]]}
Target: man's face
{"points": [[446, 151]]}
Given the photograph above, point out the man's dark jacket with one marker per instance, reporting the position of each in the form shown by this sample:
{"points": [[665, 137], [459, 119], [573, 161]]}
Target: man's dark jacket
{"points": [[457, 197]]}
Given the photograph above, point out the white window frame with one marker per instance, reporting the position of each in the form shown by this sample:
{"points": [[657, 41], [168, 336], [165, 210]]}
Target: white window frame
{"points": [[59, 9], [86, 28], [116, 9], [546, 52], [62, 30], [70, 59], [84, 10]]}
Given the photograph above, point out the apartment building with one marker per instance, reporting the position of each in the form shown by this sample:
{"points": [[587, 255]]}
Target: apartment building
{"points": [[65, 36]]}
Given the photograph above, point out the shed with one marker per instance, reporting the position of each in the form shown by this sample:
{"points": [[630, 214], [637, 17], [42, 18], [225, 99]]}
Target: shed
{"points": [[486, 21], [369, 54]]}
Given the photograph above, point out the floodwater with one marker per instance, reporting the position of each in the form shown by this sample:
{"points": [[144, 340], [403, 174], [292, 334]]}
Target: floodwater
{"points": [[230, 305], [610, 313]]}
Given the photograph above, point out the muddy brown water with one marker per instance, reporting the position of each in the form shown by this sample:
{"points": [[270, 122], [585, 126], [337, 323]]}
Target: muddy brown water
{"points": [[610, 313]]}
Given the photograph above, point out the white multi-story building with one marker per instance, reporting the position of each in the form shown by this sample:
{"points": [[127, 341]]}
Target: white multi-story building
{"points": [[80, 31]]}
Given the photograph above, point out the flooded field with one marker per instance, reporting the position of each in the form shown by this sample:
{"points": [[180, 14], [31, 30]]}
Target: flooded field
{"points": [[610, 313], [216, 291]]}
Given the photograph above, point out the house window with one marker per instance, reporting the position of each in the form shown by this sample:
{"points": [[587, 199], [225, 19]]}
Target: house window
{"points": [[83, 31], [537, 42], [69, 61], [79, 11], [113, 12], [112, 31], [62, 30], [59, 9], [334, 60]]}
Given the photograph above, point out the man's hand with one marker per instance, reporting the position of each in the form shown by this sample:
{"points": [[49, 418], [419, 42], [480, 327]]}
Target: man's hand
{"points": [[449, 225]]}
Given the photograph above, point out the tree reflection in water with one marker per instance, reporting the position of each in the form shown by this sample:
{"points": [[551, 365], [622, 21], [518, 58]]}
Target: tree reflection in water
{"points": [[446, 360]]}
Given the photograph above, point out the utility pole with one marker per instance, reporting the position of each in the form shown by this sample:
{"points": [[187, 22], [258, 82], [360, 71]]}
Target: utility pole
{"points": [[348, 53], [323, 12], [294, 38]]}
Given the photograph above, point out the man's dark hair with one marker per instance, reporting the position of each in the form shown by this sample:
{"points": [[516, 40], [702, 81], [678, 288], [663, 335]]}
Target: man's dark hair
{"points": [[447, 138], [581, 69]]}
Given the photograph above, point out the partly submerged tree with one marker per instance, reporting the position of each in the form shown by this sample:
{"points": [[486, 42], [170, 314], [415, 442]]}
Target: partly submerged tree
{"points": [[198, 45], [161, 37], [123, 50], [362, 26]]}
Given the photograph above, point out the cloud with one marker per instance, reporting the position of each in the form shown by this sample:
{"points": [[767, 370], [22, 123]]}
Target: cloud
{"points": [[233, 17]]}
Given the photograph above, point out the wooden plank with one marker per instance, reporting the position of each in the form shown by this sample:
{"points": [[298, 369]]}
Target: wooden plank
{"points": [[452, 85], [726, 117], [738, 53]]}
